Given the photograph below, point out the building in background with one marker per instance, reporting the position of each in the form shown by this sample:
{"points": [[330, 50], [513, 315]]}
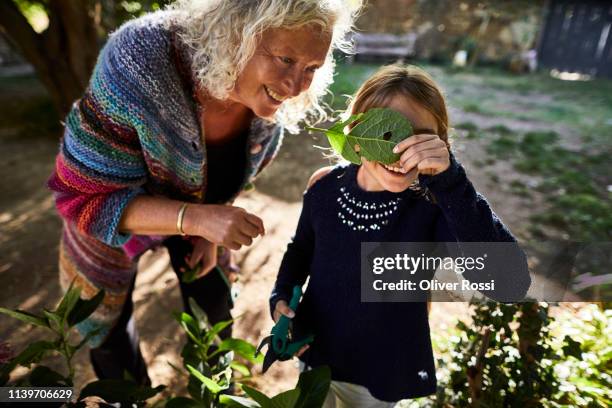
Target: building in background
{"points": [[564, 35]]}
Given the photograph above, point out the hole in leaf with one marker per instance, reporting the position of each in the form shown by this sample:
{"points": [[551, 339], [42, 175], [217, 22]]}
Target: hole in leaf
{"points": [[387, 135]]}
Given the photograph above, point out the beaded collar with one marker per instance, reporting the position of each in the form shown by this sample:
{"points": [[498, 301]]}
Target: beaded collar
{"points": [[367, 211]]}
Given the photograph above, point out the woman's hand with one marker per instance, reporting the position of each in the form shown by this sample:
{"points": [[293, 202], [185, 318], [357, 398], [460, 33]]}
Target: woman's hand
{"points": [[425, 152], [282, 308], [226, 225], [204, 254]]}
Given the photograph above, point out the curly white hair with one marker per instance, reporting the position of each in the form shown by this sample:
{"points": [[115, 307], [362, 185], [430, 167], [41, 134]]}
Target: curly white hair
{"points": [[223, 35]]}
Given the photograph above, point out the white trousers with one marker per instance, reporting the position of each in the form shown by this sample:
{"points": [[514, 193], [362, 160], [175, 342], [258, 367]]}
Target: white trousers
{"points": [[347, 395]]}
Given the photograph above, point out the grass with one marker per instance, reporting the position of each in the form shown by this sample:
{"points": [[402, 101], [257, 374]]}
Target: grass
{"points": [[574, 183], [519, 188], [346, 81], [578, 104], [469, 126], [502, 147], [500, 129]]}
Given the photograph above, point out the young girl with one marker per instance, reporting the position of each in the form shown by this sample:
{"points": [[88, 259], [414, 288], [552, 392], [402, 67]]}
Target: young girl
{"points": [[380, 353]]}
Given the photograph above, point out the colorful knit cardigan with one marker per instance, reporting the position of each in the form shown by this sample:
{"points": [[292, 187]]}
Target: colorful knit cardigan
{"points": [[135, 131]]}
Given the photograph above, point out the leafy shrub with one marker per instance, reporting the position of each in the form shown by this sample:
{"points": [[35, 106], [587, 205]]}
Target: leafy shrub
{"points": [[584, 376], [519, 356], [208, 361]]}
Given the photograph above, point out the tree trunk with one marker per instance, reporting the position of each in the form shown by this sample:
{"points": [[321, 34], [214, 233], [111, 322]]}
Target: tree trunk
{"points": [[64, 54]]}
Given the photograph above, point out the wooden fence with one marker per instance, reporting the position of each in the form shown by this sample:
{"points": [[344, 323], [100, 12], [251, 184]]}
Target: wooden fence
{"points": [[577, 37]]}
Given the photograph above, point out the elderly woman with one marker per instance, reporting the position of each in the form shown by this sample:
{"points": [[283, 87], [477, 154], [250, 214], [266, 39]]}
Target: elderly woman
{"points": [[184, 108]]}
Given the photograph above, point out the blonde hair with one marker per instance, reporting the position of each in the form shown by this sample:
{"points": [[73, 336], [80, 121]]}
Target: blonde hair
{"points": [[405, 80], [223, 35]]}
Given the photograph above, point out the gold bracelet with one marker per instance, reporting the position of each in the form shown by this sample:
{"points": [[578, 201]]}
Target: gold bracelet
{"points": [[179, 220]]}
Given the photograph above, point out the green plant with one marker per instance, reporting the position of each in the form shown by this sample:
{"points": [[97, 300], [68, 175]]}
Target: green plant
{"points": [[584, 337], [208, 361], [500, 359], [211, 365], [517, 355], [70, 311], [311, 390], [61, 322]]}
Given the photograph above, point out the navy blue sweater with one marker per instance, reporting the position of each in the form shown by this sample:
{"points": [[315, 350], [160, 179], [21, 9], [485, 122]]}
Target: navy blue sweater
{"points": [[385, 347]]}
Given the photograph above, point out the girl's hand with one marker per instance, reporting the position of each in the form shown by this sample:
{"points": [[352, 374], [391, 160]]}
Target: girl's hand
{"points": [[282, 308], [425, 152], [224, 225]]}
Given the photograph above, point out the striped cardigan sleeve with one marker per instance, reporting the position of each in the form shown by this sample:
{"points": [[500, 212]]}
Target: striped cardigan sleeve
{"points": [[100, 165]]}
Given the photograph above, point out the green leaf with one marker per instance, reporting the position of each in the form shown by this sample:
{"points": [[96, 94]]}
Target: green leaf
{"points": [[237, 402], [378, 130], [84, 308], [213, 333], [190, 326], [224, 361], [70, 299], [260, 398], [338, 140], [210, 384], [190, 354], [198, 391], [288, 399], [242, 348], [54, 320], [313, 386], [26, 317], [191, 323], [241, 368], [113, 390]]}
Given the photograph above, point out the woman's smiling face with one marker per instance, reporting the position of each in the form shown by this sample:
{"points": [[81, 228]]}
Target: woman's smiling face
{"points": [[282, 67]]}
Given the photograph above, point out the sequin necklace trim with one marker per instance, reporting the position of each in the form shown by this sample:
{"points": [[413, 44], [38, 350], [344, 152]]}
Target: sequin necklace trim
{"points": [[360, 215]]}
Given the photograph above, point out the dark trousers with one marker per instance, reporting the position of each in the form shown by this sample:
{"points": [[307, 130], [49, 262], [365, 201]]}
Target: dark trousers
{"points": [[120, 352]]}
